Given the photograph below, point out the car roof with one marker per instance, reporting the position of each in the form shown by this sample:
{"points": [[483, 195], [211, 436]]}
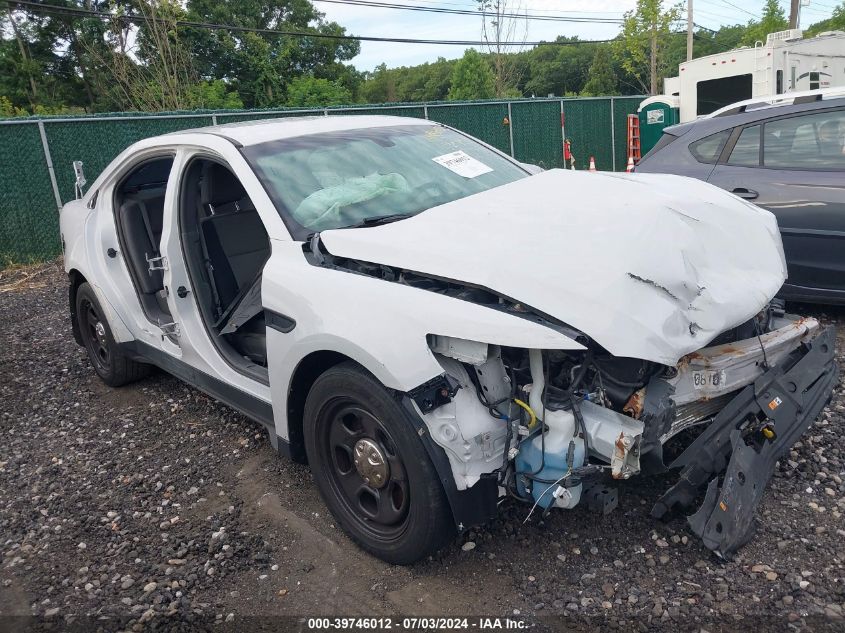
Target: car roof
{"points": [[780, 100], [258, 131], [759, 109]]}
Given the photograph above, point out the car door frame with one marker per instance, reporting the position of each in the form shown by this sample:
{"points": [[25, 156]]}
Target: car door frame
{"points": [[197, 349], [795, 289], [115, 281]]}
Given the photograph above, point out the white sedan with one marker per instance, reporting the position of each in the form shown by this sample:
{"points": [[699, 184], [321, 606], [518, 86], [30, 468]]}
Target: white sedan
{"points": [[433, 325]]}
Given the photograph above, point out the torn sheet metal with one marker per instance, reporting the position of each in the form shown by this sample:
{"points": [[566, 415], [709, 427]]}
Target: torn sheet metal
{"points": [[745, 441], [650, 266], [737, 364]]}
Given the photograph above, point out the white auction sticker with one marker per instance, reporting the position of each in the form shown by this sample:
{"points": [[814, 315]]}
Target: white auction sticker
{"points": [[462, 164]]}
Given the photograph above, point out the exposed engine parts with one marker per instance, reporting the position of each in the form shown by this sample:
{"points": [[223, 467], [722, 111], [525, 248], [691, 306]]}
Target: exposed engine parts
{"points": [[541, 416], [547, 423]]}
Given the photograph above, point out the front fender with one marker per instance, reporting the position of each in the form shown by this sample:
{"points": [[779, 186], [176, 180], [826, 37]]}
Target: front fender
{"points": [[380, 324]]}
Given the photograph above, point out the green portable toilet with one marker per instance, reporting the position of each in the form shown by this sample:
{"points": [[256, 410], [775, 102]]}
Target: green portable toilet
{"points": [[655, 114]]}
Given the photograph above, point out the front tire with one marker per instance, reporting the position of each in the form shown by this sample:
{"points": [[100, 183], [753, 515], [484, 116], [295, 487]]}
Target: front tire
{"points": [[113, 366], [372, 469]]}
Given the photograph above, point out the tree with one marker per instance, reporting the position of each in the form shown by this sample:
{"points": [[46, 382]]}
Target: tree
{"points": [[472, 78], [310, 92], [559, 69], [214, 95], [260, 65], [640, 47], [155, 72], [602, 79], [379, 85], [500, 25], [836, 22], [772, 21], [41, 62]]}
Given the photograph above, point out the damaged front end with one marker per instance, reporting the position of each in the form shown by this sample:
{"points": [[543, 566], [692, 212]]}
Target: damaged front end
{"points": [[745, 440], [549, 425]]}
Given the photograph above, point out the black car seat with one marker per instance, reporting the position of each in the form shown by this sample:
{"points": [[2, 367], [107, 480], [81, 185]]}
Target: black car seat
{"points": [[141, 217], [233, 238]]}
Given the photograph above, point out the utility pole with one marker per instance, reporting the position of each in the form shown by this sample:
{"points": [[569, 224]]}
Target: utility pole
{"points": [[794, 8], [653, 82], [689, 30]]}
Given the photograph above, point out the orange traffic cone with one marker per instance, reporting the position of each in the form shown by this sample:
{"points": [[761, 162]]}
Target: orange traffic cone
{"points": [[592, 164], [630, 166]]}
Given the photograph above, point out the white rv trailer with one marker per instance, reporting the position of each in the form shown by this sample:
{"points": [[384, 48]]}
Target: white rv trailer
{"points": [[785, 63]]}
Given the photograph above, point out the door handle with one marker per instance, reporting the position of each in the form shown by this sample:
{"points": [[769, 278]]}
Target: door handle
{"points": [[742, 192], [182, 292]]}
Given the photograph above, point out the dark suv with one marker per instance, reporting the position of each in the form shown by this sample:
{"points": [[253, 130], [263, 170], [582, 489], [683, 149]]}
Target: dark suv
{"points": [[787, 155]]}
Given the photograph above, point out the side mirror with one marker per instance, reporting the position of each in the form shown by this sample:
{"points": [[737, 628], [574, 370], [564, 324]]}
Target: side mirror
{"points": [[80, 181]]}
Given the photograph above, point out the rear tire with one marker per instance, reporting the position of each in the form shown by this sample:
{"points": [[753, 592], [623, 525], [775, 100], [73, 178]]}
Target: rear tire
{"points": [[113, 366], [372, 469]]}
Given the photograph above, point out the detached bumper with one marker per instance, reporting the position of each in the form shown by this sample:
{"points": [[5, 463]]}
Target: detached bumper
{"points": [[746, 439]]}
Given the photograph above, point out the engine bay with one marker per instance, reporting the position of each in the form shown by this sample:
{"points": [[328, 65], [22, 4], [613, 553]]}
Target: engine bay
{"points": [[549, 423]]}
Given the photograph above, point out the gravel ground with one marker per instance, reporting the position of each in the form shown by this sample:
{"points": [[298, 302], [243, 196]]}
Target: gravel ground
{"points": [[152, 507]]}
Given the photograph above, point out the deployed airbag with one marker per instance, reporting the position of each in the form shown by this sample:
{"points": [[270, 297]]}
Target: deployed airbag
{"points": [[325, 206]]}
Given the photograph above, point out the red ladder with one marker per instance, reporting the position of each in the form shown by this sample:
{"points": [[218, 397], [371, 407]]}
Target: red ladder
{"points": [[634, 147]]}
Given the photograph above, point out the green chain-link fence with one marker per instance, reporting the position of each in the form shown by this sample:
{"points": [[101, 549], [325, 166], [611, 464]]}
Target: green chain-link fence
{"points": [[36, 153]]}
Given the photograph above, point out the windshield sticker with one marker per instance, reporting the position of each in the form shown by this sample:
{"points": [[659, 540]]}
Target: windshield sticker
{"points": [[462, 164]]}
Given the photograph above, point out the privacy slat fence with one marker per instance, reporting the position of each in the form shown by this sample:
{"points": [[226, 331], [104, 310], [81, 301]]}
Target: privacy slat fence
{"points": [[36, 153]]}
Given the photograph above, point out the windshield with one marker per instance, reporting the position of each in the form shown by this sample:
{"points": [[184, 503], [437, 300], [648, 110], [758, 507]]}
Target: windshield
{"points": [[341, 179]]}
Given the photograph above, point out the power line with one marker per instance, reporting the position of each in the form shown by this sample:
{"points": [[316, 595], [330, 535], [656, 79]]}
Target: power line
{"points": [[735, 6], [135, 19], [473, 12], [473, 3]]}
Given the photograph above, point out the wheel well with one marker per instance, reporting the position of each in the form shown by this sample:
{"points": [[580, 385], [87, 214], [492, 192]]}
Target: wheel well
{"points": [[309, 369], [76, 279]]}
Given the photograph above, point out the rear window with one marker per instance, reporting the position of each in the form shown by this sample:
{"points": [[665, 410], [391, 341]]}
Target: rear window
{"points": [[707, 149], [746, 152]]}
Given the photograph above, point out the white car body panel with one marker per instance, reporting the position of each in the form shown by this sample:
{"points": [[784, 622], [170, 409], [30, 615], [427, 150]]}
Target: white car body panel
{"points": [[382, 326], [650, 267], [88, 239]]}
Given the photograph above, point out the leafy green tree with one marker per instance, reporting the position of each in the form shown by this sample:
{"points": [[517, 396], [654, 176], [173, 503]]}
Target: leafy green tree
{"points": [[214, 95], [379, 85], [261, 65], [836, 22], [602, 79], [772, 20], [472, 78], [558, 69], [309, 92], [42, 61], [640, 47]]}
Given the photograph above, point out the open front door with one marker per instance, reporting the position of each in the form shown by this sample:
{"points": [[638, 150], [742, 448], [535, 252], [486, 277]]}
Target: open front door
{"points": [[216, 246]]}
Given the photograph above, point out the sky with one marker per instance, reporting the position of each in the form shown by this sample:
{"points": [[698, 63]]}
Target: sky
{"points": [[383, 22]]}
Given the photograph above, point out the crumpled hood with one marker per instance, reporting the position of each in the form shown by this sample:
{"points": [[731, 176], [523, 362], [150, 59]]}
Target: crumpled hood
{"points": [[649, 266]]}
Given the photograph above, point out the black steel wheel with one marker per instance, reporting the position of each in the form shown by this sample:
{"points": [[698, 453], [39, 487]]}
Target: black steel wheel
{"points": [[372, 469], [366, 470], [93, 329], [111, 364]]}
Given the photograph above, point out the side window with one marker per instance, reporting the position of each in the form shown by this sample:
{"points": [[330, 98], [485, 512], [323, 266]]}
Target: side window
{"points": [[707, 149], [812, 141], [746, 152]]}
